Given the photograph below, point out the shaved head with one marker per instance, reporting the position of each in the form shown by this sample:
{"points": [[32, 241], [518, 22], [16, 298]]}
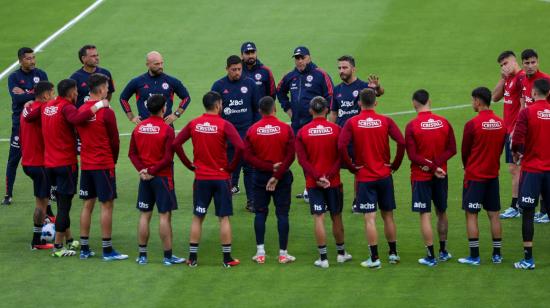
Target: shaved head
{"points": [[155, 63]]}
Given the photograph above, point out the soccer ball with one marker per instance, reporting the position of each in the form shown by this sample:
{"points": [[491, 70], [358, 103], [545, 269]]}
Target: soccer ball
{"points": [[48, 232]]}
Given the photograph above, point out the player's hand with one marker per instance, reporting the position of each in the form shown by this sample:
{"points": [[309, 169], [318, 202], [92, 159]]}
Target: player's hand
{"points": [[27, 104], [323, 182], [276, 166], [17, 90], [440, 173], [356, 168], [517, 157], [105, 103], [271, 184], [289, 112], [374, 81], [169, 119], [136, 120], [506, 71]]}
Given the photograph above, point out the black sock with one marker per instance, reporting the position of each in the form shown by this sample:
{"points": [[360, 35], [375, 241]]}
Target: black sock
{"points": [[107, 245], [497, 243], [393, 248], [514, 203], [528, 253], [193, 250], [340, 248], [142, 250], [36, 234], [58, 246], [69, 241], [474, 247], [226, 249], [168, 254], [323, 252], [430, 250], [84, 246], [373, 252], [443, 246], [49, 211]]}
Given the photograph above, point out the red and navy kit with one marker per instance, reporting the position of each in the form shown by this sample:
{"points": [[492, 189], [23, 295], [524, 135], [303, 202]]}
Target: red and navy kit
{"points": [[146, 85], [346, 100], [430, 143], [151, 149], [482, 145], [263, 77], [527, 86], [302, 87], [81, 77], [239, 100], [531, 139], [512, 100]]}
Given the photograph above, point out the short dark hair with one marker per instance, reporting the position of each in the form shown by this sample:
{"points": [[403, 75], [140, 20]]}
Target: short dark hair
{"points": [[64, 86], [233, 59], [505, 54], [155, 103], [266, 104], [529, 53], [542, 86], [96, 80], [42, 87], [318, 104], [483, 94], [84, 50], [367, 97], [22, 51], [421, 96], [210, 99], [347, 58]]}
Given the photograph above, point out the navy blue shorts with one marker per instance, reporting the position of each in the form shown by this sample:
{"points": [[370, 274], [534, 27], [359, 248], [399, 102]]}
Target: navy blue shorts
{"points": [[330, 199], [379, 193], [481, 194], [65, 179], [281, 196], [159, 191], [40, 181], [205, 190], [100, 184], [531, 186], [424, 192], [508, 149]]}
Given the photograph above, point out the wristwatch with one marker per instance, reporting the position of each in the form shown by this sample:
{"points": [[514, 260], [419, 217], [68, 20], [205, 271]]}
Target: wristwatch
{"points": [[177, 114]]}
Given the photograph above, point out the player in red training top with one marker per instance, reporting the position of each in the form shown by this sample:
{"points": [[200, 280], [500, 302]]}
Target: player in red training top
{"points": [[269, 148], [481, 149], [32, 160], [152, 156], [317, 149], [210, 134], [430, 144], [509, 90], [98, 157], [370, 132], [530, 145]]}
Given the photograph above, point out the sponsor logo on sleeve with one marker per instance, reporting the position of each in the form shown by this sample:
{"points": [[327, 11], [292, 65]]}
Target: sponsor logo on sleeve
{"points": [[206, 128], [320, 130], [431, 124], [268, 130], [492, 124], [149, 129], [369, 123]]}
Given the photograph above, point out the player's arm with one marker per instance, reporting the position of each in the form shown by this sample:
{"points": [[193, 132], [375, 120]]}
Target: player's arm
{"points": [[520, 131], [112, 131], [253, 159], [290, 155], [397, 136], [18, 95], [412, 151], [272, 89], [31, 115], [282, 95], [183, 94], [75, 117], [255, 102], [450, 148], [467, 142], [333, 111], [111, 87], [168, 156], [182, 137], [328, 87], [127, 93], [301, 152], [343, 141], [133, 154], [498, 91], [234, 138], [374, 83]]}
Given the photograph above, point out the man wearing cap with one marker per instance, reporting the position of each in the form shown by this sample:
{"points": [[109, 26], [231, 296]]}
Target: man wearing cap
{"points": [[254, 69]]}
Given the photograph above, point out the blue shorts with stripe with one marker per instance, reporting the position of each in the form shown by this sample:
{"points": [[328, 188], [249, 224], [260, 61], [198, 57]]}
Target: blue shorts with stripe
{"points": [[40, 180], [100, 184], [160, 191]]}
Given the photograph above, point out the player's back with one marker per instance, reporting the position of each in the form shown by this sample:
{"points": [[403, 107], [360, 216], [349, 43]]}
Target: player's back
{"points": [[537, 147], [268, 138], [59, 135], [150, 137], [96, 153], [32, 140]]}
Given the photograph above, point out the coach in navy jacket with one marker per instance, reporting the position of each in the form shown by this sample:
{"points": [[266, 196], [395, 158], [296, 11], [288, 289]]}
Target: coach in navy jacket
{"points": [[303, 83], [254, 69]]}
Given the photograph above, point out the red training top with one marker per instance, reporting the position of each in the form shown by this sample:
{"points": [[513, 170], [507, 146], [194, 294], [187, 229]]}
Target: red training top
{"points": [[511, 99], [30, 137], [527, 86], [531, 137]]}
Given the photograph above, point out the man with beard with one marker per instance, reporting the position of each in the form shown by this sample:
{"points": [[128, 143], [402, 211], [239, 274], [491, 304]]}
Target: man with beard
{"points": [[155, 81], [254, 69]]}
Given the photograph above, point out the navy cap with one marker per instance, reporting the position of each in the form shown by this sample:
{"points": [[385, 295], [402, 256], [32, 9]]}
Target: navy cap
{"points": [[300, 51], [248, 46]]}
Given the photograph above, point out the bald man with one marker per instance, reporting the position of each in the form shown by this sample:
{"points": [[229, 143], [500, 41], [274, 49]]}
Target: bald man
{"points": [[154, 81]]}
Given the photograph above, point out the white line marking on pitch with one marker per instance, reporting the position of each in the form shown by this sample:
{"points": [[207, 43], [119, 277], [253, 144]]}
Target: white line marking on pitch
{"points": [[52, 37]]}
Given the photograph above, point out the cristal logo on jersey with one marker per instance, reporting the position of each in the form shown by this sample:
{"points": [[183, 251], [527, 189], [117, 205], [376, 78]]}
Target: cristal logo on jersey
{"points": [[491, 124], [50, 111], [36, 79], [165, 85], [543, 114], [206, 128], [258, 76], [431, 124], [370, 123], [320, 130], [244, 90], [149, 129], [268, 130]]}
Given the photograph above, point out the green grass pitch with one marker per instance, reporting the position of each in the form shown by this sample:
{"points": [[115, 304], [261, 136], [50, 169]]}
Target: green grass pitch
{"points": [[447, 47]]}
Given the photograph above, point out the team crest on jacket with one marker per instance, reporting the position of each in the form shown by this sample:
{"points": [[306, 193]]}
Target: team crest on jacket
{"points": [[165, 85], [543, 114], [370, 123], [244, 90], [268, 130], [149, 129], [36, 79], [431, 124], [258, 76], [355, 93], [320, 130], [50, 111], [206, 128], [492, 124], [309, 78]]}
